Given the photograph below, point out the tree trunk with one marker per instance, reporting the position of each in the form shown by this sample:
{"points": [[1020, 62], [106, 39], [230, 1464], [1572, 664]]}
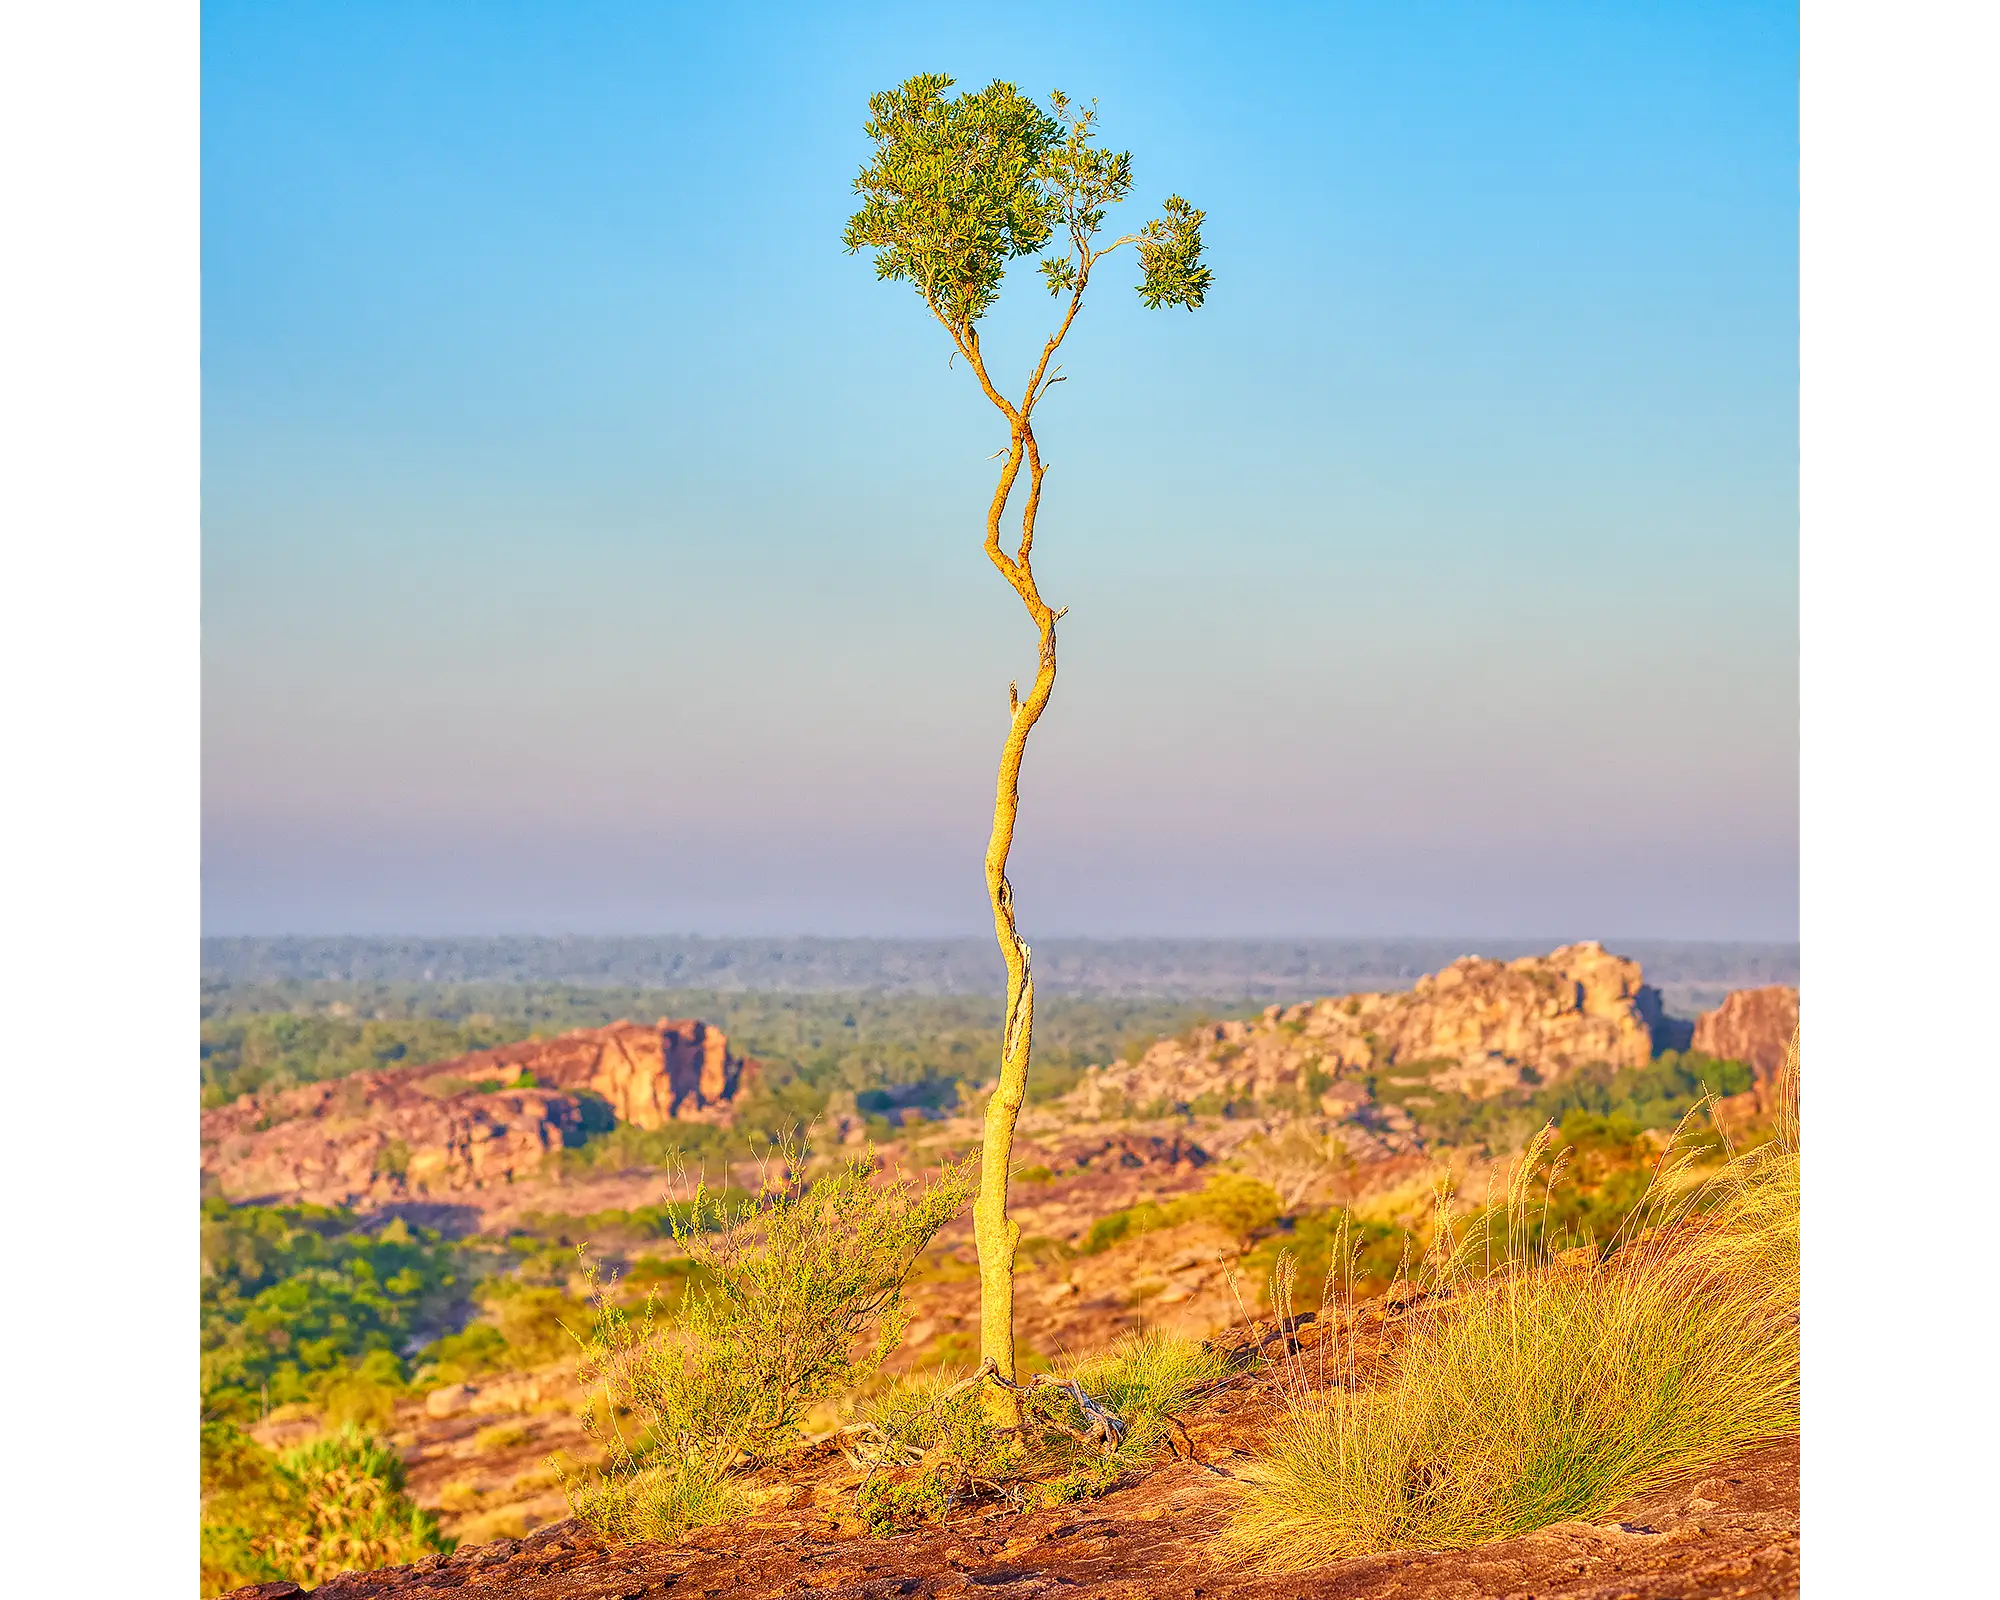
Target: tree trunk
{"points": [[996, 1234]]}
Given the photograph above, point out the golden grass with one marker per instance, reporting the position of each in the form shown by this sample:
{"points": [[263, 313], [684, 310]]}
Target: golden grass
{"points": [[1144, 1378], [952, 1452], [1545, 1385]]}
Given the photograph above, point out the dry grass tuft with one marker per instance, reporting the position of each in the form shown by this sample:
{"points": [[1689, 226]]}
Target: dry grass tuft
{"points": [[941, 1449], [1545, 1384]]}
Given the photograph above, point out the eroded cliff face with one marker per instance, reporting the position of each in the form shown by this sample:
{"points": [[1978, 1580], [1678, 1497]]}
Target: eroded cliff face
{"points": [[650, 1076], [475, 1121], [1754, 1026], [1498, 1024]]}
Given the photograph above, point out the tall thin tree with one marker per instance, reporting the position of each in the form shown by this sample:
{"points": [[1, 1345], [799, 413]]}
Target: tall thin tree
{"points": [[958, 187]]}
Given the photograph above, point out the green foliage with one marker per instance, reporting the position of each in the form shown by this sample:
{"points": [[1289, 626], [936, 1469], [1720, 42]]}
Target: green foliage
{"points": [[955, 191], [1145, 1378], [942, 1418], [668, 1219], [1339, 1252], [960, 185], [1243, 1205], [795, 1281], [248, 1054], [624, 1148], [293, 1296], [339, 1503], [1656, 1096]]}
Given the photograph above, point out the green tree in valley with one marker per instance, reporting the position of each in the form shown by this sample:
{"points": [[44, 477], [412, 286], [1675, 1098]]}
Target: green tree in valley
{"points": [[959, 186]]}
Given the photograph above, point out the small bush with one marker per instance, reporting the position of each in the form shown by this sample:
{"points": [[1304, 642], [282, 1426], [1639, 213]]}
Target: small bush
{"points": [[461, 1494], [1242, 1205], [499, 1436], [941, 1418], [337, 1504], [798, 1281]]}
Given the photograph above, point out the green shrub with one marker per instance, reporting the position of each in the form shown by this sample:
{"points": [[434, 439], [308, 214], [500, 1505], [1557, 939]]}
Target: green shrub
{"points": [[337, 1504], [1362, 1257], [796, 1280], [1242, 1205], [941, 1419], [1145, 1378]]}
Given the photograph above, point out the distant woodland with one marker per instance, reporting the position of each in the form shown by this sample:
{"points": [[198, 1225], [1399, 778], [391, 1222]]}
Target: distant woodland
{"points": [[1691, 976], [272, 1035]]}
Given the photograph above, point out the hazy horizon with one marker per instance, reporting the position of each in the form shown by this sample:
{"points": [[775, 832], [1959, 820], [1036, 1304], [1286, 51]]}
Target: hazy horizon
{"points": [[1691, 975], [590, 544]]}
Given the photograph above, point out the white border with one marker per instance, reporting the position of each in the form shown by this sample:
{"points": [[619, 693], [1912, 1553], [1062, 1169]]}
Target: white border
{"points": [[1899, 434], [100, 660], [99, 469]]}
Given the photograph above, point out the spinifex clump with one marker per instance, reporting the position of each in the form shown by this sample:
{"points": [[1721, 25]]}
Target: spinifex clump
{"points": [[1542, 1384]]}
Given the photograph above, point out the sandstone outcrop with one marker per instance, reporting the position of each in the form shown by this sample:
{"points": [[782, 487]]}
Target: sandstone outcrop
{"points": [[1490, 1025], [472, 1122], [650, 1076], [1754, 1026]]}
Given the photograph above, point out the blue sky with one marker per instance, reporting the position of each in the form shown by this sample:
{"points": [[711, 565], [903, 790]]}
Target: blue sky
{"points": [[591, 545]]}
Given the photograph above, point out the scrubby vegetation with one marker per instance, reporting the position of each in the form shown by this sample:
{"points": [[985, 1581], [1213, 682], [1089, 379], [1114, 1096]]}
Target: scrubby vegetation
{"points": [[929, 1444], [1657, 1095], [1239, 1204], [1541, 1383], [296, 1300], [802, 1298], [242, 1054], [721, 1328], [333, 1505]]}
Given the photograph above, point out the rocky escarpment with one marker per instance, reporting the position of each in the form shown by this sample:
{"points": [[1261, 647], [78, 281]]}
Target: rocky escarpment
{"points": [[1754, 1026], [1491, 1025], [472, 1122]]}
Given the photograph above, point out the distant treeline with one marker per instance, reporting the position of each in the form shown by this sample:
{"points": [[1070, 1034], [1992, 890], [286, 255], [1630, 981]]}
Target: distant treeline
{"points": [[1182, 969], [274, 1035]]}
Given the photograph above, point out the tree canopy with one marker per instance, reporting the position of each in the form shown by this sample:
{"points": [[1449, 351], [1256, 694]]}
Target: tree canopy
{"points": [[961, 185]]}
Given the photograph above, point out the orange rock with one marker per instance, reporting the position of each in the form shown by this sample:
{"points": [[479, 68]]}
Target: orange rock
{"points": [[1500, 1024], [1754, 1026], [426, 1131]]}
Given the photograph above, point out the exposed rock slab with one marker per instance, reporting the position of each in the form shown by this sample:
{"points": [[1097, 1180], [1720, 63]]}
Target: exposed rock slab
{"points": [[448, 1127], [1497, 1024], [1754, 1026]]}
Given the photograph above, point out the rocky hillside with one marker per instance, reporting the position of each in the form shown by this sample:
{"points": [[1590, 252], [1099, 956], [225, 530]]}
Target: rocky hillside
{"points": [[470, 1123], [1754, 1026], [1496, 1025]]}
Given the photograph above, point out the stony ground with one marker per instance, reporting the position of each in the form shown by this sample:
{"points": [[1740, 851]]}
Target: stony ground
{"points": [[1731, 1531]]}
